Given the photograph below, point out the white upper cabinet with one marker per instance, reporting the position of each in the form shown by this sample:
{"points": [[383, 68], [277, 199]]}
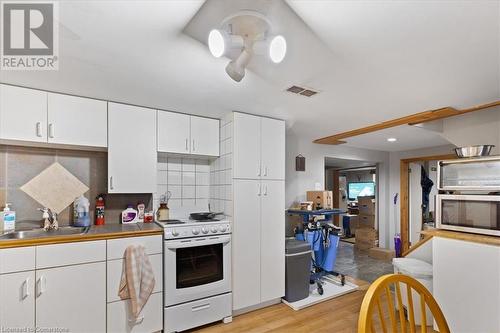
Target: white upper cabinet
{"points": [[273, 149], [185, 134], [174, 132], [204, 136], [246, 143], [77, 121], [259, 147], [23, 114], [131, 149]]}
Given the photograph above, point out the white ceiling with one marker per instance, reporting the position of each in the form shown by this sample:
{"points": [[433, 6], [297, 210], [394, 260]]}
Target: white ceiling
{"points": [[371, 60]]}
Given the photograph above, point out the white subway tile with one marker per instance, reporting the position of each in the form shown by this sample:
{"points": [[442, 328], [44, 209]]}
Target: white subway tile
{"points": [[202, 166], [174, 177], [188, 192], [188, 202], [174, 164], [202, 191], [188, 164], [174, 203], [202, 178], [188, 178], [202, 203], [176, 191]]}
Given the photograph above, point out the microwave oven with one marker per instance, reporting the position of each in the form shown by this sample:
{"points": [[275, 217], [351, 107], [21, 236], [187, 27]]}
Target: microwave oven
{"points": [[472, 213]]}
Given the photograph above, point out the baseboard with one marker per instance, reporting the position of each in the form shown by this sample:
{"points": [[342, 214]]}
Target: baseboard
{"points": [[256, 307]]}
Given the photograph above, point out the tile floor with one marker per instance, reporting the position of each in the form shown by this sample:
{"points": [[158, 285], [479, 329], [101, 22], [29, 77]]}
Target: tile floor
{"points": [[359, 265]]}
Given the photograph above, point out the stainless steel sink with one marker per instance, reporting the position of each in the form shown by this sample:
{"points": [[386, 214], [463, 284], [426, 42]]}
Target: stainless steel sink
{"points": [[41, 233]]}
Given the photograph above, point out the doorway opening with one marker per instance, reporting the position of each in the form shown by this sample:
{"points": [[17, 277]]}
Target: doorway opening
{"points": [[354, 190], [418, 191]]}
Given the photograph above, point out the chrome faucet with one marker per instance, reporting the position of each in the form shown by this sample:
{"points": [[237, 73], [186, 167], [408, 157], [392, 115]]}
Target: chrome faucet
{"points": [[50, 219]]}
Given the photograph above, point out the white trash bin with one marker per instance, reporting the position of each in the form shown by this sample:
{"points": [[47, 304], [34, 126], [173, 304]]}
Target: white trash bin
{"points": [[420, 271]]}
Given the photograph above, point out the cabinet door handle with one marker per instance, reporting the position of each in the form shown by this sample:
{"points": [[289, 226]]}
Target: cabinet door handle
{"points": [[258, 169], [193, 146], [25, 292], [265, 190], [259, 191], [51, 131], [40, 286], [187, 141], [39, 129], [111, 183], [265, 171]]}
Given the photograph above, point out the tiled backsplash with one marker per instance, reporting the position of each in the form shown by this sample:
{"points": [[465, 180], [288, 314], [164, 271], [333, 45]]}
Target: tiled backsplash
{"points": [[187, 179], [221, 170], [18, 165]]}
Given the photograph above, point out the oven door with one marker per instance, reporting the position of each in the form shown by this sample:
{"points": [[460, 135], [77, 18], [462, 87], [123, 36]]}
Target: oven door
{"points": [[478, 214], [196, 268]]}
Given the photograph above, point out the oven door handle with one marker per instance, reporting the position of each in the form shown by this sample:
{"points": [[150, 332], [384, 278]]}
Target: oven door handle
{"points": [[179, 244]]}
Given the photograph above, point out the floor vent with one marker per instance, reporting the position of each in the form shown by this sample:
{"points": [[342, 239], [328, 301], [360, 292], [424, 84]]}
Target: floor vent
{"points": [[302, 91]]}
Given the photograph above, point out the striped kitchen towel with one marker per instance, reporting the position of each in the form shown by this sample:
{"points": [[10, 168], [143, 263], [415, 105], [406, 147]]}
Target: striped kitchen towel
{"points": [[138, 279]]}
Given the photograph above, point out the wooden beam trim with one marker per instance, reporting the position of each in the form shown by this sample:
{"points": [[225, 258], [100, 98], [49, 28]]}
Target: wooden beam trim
{"points": [[417, 118]]}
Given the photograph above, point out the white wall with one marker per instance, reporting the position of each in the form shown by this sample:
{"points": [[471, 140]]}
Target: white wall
{"points": [[297, 182]]}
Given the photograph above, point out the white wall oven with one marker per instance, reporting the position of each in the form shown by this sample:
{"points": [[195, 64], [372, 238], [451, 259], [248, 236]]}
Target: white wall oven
{"points": [[469, 213], [197, 273], [196, 268]]}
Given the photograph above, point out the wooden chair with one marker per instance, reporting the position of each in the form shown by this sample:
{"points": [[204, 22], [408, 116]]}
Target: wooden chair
{"points": [[372, 303]]}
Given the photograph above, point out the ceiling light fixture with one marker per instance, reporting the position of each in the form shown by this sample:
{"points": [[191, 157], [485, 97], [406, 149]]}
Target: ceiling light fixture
{"points": [[243, 35], [392, 139]]}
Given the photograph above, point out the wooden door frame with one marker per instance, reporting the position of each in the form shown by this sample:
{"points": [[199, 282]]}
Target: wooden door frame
{"points": [[404, 193]]}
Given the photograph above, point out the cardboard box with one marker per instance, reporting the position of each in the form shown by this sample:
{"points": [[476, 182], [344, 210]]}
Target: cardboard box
{"points": [[380, 253], [365, 245], [366, 221], [366, 205], [322, 199], [366, 234]]}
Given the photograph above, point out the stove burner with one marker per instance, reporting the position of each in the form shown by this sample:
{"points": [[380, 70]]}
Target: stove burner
{"points": [[172, 222], [205, 220]]}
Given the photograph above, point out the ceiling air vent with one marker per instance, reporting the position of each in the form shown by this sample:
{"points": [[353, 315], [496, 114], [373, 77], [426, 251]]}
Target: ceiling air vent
{"points": [[302, 91]]}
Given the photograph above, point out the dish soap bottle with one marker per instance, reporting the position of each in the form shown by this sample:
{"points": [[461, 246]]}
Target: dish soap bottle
{"points": [[129, 215], [8, 218]]}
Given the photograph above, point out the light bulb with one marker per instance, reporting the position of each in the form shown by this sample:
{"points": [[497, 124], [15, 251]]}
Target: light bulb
{"points": [[277, 49], [216, 43]]}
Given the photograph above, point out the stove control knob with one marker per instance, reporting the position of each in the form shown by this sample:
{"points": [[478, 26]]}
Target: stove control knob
{"points": [[214, 230], [222, 228], [204, 230], [196, 231], [175, 233]]}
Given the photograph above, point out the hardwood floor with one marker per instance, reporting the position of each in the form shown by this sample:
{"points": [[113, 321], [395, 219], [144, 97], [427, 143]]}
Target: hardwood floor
{"points": [[336, 315]]}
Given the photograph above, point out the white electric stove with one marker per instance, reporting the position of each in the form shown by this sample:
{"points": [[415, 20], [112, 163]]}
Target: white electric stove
{"points": [[197, 273]]}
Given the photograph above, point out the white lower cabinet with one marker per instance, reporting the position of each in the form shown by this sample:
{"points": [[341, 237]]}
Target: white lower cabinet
{"points": [[258, 242], [149, 320], [74, 287], [17, 300], [120, 318], [72, 297]]}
